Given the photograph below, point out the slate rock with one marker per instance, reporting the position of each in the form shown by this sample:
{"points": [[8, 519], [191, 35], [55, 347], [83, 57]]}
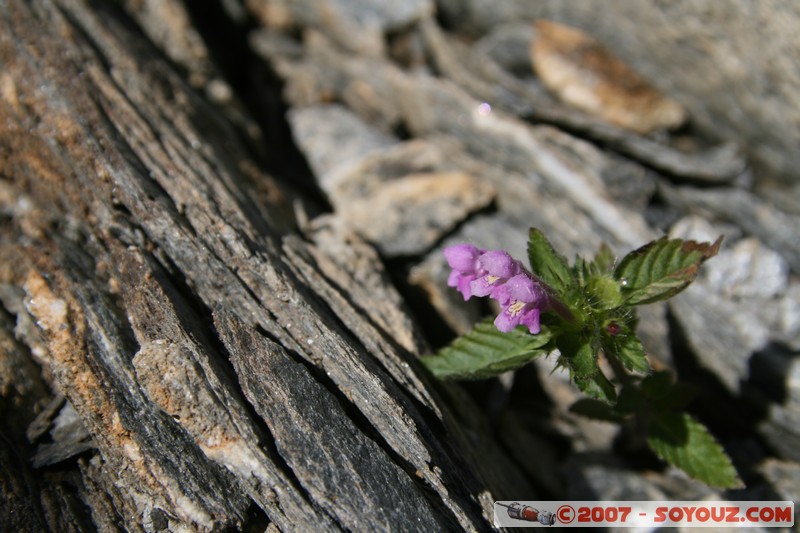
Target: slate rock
{"points": [[721, 334], [784, 478], [603, 478], [408, 215], [357, 25], [332, 137], [402, 197], [583, 73], [585, 434], [782, 427], [748, 269], [731, 64], [70, 438], [508, 45], [750, 282]]}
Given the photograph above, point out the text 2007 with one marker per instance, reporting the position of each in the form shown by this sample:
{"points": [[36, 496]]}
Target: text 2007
{"points": [[603, 514]]}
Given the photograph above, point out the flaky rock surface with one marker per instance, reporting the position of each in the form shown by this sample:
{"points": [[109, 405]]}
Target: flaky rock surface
{"points": [[220, 258]]}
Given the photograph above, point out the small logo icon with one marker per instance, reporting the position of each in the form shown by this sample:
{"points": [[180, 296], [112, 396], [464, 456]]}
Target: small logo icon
{"points": [[529, 514]]}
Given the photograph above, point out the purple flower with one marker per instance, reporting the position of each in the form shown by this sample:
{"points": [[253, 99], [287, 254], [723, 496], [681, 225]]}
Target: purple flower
{"points": [[463, 259], [496, 268], [496, 274], [525, 300]]}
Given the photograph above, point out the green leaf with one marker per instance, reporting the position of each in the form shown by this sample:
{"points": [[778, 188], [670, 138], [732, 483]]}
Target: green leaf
{"points": [[604, 259], [630, 400], [663, 394], [582, 270], [662, 268], [657, 385], [485, 351], [680, 396], [597, 386], [684, 442], [627, 347], [596, 410], [548, 264], [579, 355]]}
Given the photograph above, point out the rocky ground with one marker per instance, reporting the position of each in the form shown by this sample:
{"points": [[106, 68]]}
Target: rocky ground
{"points": [[421, 133], [414, 125]]}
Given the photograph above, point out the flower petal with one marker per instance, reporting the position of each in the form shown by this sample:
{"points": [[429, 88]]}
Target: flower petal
{"points": [[484, 285], [530, 319], [462, 257], [524, 289], [464, 286], [499, 263], [505, 322], [500, 293]]}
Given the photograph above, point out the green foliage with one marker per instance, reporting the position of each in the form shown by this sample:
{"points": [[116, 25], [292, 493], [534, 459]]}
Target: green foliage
{"points": [[627, 348], [596, 409], [592, 317], [548, 264], [684, 442], [484, 352], [661, 269]]}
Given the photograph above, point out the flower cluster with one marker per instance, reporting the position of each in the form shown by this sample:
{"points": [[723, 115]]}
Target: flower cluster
{"points": [[496, 274]]}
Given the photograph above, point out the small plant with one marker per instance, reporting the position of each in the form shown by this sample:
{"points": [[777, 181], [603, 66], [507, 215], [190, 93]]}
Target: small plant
{"points": [[585, 312]]}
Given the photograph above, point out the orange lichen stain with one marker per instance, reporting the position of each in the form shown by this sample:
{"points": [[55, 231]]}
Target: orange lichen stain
{"points": [[9, 93], [584, 73], [63, 326]]}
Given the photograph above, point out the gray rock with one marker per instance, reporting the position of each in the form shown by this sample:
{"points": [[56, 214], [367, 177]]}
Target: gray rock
{"points": [[752, 279], [788, 327], [777, 229], [508, 45], [332, 137], [585, 434], [357, 25], [782, 427], [475, 70], [732, 64], [721, 334], [784, 477], [403, 197], [746, 270], [592, 477], [70, 438], [408, 215]]}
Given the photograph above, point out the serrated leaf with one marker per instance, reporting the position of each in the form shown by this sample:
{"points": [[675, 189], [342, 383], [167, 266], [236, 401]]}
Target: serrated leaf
{"points": [[582, 270], [550, 266], [597, 386], [485, 351], [684, 442], [629, 350], [657, 385], [604, 259], [595, 409], [664, 395], [630, 400], [579, 355], [662, 268], [680, 396]]}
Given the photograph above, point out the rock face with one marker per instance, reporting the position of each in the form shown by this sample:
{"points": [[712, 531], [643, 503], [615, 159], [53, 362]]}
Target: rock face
{"points": [[732, 64], [584, 74], [210, 317]]}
